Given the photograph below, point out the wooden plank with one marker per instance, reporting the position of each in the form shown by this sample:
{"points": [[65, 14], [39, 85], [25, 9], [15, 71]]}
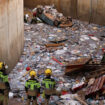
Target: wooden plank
{"points": [[65, 7], [56, 4], [94, 10], [73, 8], [84, 9], [100, 16], [54, 45], [98, 84]]}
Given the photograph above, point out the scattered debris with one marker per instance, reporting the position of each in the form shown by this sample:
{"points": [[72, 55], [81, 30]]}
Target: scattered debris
{"points": [[51, 16], [76, 65], [54, 45], [63, 50], [96, 87]]}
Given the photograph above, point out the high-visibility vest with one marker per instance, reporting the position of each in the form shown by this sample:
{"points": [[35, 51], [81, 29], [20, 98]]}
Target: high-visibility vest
{"points": [[3, 78], [3, 81], [32, 84], [48, 83]]}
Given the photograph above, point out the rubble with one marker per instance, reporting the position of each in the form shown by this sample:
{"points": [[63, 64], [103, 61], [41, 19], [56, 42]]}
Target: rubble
{"points": [[72, 99], [76, 65], [51, 47], [47, 14], [96, 86], [51, 16]]}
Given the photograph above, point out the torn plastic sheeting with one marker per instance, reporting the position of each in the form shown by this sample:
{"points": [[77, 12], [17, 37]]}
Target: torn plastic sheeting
{"points": [[70, 102], [93, 45], [60, 52], [84, 37], [69, 96], [94, 38], [78, 86], [75, 51]]}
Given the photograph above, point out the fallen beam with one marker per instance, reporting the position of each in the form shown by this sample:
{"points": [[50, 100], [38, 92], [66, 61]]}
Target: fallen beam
{"points": [[54, 45]]}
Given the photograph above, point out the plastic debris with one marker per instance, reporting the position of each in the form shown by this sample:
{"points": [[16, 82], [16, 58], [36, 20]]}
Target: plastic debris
{"points": [[79, 42]]}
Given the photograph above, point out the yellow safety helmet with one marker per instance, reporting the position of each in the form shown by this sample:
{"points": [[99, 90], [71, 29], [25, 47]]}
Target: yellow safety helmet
{"points": [[32, 73], [1, 65], [48, 71]]}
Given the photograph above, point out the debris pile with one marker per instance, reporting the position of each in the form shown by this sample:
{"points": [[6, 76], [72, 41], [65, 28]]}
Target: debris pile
{"points": [[51, 47], [49, 15]]}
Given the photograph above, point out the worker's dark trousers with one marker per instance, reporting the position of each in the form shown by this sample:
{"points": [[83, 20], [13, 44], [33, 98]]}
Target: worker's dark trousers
{"points": [[47, 99], [6, 92], [32, 95], [29, 100], [1, 99], [4, 98], [49, 93]]}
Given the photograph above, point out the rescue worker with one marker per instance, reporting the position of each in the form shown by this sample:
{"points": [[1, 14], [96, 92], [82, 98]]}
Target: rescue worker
{"points": [[32, 87], [4, 84], [48, 84]]}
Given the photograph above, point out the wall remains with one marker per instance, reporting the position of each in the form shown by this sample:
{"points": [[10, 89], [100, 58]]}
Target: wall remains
{"points": [[11, 31], [88, 10]]}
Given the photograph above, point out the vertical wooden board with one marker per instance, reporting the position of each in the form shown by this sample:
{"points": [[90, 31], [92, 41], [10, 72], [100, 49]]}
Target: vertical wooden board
{"points": [[36, 2], [4, 43], [41, 2], [20, 26], [57, 4], [3, 30], [73, 8], [100, 17], [46, 2], [93, 11], [12, 18], [8, 31], [3, 13], [29, 3], [84, 9], [65, 7]]}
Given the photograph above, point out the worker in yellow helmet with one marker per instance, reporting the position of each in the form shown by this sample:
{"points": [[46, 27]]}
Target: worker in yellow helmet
{"points": [[48, 84], [4, 84], [32, 87]]}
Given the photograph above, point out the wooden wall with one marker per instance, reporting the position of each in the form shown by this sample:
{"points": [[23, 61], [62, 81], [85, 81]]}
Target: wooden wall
{"points": [[88, 10], [11, 31]]}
